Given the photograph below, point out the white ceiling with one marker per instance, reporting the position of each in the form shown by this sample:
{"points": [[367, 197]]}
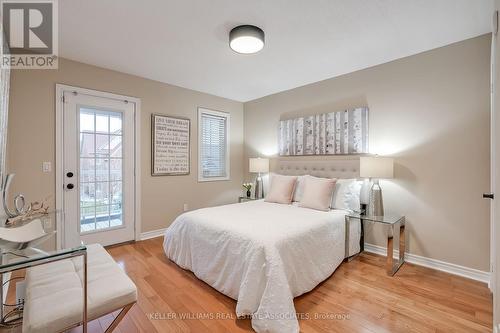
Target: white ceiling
{"points": [[185, 42]]}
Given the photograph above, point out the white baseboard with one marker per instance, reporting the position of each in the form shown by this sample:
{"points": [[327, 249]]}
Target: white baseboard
{"points": [[152, 234], [439, 265]]}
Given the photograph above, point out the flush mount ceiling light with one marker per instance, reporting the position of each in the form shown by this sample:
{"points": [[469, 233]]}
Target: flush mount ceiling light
{"points": [[246, 39]]}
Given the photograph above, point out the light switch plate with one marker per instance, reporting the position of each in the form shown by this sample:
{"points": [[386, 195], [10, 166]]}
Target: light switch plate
{"points": [[46, 167]]}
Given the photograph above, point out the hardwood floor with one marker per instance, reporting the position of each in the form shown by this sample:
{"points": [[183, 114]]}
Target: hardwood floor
{"points": [[358, 297]]}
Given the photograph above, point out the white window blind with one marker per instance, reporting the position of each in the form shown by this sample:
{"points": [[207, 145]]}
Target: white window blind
{"points": [[213, 145]]}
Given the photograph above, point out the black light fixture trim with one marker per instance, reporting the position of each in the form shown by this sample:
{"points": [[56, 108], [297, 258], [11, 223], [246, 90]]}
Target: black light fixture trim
{"points": [[246, 30]]}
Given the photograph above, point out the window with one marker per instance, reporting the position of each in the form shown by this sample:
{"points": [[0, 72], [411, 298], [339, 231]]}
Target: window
{"points": [[101, 173], [213, 145]]}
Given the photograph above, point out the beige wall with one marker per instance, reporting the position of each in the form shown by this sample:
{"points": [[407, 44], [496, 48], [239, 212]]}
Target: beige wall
{"points": [[31, 137], [431, 112]]}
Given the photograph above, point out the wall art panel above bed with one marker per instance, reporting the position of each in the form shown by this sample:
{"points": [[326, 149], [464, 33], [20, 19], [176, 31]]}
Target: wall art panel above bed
{"points": [[334, 133]]}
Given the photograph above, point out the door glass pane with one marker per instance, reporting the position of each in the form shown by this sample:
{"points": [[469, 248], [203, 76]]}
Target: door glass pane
{"points": [[87, 169], [102, 145], [102, 217], [115, 123], [101, 211], [102, 123], [116, 192], [115, 166], [102, 193], [87, 195], [102, 169], [87, 219], [115, 145], [115, 215], [87, 147], [86, 121], [100, 176]]}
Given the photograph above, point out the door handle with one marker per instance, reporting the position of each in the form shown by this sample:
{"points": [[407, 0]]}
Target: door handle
{"points": [[70, 186], [489, 196]]}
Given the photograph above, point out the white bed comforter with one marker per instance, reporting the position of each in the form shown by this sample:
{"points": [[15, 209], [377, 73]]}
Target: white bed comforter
{"points": [[261, 254]]}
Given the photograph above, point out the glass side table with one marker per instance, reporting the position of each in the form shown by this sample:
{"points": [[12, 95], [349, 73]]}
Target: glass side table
{"points": [[15, 256], [395, 229], [245, 199]]}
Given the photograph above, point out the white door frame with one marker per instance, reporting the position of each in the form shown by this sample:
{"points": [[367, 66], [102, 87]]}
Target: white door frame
{"points": [[495, 173], [59, 172]]}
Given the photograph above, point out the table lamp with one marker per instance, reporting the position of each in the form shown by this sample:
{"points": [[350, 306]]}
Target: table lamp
{"points": [[259, 165], [375, 168]]}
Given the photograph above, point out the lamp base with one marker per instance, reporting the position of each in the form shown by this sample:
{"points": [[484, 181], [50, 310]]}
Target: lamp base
{"points": [[376, 204], [363, 209], [259, 188], [364, 195]]}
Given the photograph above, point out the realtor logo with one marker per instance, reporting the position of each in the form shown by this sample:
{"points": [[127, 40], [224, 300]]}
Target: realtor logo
{"points": [[30, 34]]}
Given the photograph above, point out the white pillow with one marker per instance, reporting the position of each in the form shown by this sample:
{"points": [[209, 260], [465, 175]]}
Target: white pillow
{"points": [[346, 194], [318, 193], [299, 188], [282, 188]]}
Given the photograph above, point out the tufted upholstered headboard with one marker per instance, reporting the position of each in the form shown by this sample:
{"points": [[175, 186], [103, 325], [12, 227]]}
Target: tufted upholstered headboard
{"points": [[330, 167]]}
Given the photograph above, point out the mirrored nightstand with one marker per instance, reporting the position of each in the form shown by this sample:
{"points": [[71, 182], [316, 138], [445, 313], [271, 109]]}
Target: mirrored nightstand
{"points": [[245, 199], [395, 229]]}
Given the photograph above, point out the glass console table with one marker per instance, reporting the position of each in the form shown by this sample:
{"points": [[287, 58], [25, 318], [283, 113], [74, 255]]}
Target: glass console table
{"points": [[396, 229], [42, 250]]}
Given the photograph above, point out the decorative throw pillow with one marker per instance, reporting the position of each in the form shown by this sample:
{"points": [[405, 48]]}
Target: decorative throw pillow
{"points": [[346, 195], [282, 188], [318, 193]]}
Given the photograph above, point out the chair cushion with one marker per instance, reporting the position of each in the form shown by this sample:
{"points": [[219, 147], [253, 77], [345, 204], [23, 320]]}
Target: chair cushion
{"points": [[54, 291]]}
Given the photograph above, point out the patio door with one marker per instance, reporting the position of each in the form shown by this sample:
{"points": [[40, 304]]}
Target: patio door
{"points": [[98, 169]]}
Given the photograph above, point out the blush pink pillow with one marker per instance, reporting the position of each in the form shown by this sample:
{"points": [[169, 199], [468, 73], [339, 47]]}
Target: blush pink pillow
{"points": [[318, 193], [281, 190]]}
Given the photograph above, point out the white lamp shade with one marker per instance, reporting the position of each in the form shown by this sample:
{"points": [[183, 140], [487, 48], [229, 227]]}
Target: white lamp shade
{"points": [[259, 165], [376, 167]]}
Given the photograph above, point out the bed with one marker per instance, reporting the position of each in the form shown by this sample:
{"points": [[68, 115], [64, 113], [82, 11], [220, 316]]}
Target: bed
{"points": [[264, 254]]}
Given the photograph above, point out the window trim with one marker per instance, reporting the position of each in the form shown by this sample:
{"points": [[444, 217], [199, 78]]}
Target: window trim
{"points": [[227, 116]]}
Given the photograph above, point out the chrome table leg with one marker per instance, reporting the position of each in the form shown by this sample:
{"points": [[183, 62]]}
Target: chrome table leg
{"points": [[347, 234], [85, 292], [397, 230]]}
